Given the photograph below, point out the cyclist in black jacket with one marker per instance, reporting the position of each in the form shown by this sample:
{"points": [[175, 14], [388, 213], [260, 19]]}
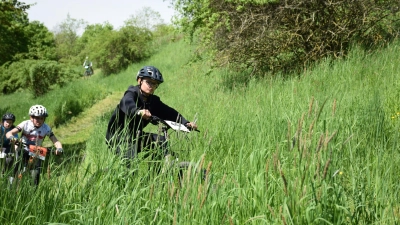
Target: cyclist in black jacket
{"points": [[133, 112]]}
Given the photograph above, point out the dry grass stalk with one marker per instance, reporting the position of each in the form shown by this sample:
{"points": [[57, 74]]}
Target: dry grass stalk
{"points": [[310, 106], [151, 191], [175, 217], [266, 175], [205, 134], [334, 107], [201, 163], [276, 160], [310, 130], [177, 195], [304, 191], [191, 212], [199, 191], [282, 217], [319, 145], [203, 200], [236, 183], [305, 153], [223, 180], [209, 142], [271, 210], [48, 171], [348, 139], [327, 140], [289, 137], [284, 181], [299, 129], [171, 190], [326, 168], [318, 166]]}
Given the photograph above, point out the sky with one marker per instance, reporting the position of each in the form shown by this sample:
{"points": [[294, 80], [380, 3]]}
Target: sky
{"points": [[53, 12]]}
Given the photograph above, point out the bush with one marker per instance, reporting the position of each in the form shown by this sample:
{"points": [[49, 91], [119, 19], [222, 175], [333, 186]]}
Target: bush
{"points": [[38, 76], [271, 35], [117, 50], [13, 76], [66, 110]]}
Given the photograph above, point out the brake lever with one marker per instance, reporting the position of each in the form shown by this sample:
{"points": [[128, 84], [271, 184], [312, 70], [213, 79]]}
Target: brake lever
{"points": [[191, 129], [154, 120]]}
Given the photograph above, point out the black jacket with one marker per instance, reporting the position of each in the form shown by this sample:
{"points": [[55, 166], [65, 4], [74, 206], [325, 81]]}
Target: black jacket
{"points": [[125, 122]]}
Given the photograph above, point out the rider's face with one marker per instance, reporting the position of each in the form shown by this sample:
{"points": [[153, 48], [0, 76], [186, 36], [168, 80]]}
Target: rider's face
{"points": [[8, 123], [148, 86], [37, 120]]}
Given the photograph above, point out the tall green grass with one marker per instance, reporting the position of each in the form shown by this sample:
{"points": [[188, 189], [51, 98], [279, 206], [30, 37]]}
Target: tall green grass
{"points": [[320, 148]]}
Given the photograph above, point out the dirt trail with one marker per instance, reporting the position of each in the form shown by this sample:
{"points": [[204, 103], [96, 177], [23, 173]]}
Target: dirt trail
{"points": [[80, 127]]}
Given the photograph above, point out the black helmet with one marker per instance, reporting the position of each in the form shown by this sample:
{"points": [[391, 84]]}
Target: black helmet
{"points": [[8, 116], [150, 72]]}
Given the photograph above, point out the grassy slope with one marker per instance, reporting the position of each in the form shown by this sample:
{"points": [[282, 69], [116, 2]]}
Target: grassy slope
{"points": [[342, 168]]}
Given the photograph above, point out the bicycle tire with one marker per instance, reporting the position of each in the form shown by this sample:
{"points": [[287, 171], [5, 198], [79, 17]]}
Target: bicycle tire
{"points": [[186, 165]]}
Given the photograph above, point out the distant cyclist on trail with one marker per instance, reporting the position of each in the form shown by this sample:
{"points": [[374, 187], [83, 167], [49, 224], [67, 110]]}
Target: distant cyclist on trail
{"points": [[133, 112], [88, 63], [7, 124], [33, 133]]}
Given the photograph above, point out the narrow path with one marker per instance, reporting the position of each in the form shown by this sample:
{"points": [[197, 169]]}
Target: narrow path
{"points": [[80, 127]]}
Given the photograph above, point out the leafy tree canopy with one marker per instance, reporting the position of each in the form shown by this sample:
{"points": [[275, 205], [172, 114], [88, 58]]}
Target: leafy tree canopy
{"points": [[274, 35], [13, 20]]}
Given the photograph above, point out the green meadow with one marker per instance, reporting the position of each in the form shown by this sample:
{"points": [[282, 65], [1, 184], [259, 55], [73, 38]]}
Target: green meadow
{"points": [[316, 148]]}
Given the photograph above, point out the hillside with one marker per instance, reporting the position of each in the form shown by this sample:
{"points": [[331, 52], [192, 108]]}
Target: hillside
{"points": [[317, 148]]}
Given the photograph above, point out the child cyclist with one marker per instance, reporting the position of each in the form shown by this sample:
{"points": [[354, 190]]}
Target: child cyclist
{"points": [[134, 111], [33, 133], [7, 153]]}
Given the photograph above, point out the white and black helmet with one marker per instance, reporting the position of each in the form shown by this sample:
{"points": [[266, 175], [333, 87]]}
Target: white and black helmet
{"points": [[150, 72], [38, 110]]}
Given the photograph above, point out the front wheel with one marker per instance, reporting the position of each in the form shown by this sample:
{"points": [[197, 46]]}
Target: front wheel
{"points": [[183, 168], [87, 73]]}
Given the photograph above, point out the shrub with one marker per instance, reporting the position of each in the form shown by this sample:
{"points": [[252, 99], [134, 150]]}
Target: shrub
{"points": [[271, 35], [38, 76]]}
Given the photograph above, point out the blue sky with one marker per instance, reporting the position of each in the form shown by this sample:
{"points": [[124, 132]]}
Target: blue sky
{"points": [[53, 12]]}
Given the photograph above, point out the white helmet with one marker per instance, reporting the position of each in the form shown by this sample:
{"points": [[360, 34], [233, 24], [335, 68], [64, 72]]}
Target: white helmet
{"points": [[38, 110]]}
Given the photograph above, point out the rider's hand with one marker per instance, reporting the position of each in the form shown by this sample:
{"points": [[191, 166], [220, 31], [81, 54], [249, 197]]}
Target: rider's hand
{"points": [[145, 114], [59, 151], [13, 139], [192, 125]]}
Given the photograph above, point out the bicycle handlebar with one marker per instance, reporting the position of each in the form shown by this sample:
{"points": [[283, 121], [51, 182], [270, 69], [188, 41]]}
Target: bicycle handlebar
{"points": [[156, 120], [52, 149]]}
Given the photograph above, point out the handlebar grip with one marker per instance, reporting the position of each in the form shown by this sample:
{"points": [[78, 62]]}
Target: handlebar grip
{"points": [[191, 129], [154, 120]]}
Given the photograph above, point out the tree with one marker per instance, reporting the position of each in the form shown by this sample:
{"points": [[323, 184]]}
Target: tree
{"points": [[40, 43], [66, 36], [92, 38], [116, 50], [145, 18], [13, 20], [273, 35]]}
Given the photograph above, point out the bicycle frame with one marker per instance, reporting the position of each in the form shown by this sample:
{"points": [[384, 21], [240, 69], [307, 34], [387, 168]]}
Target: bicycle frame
{"points": [[170, 160]]}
